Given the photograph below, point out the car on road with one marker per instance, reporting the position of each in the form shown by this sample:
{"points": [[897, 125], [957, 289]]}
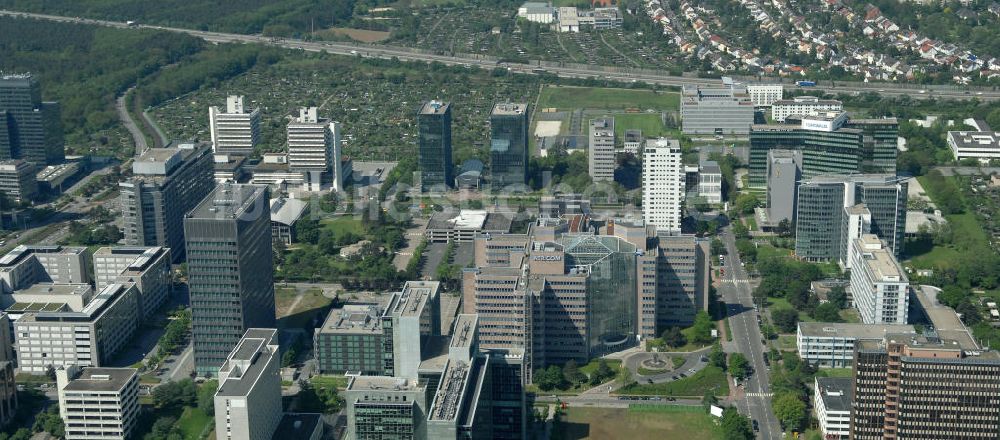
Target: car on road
{"points": [[691, 370], [704, 358], [756, 426]]}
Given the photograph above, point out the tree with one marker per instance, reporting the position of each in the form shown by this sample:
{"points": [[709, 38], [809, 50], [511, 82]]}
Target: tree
{"points": [[674, 338], [174, 394], [746, 202], [572, 374], [50, 422], [550, 378], [787, 320], [838, 297], [790, 410], [602, 373], [735, 426], [164, 428], [206, 396], [709, 399], [717, 357], [718, 247], [970, 314], [826, 312], [784, 228], [702, 328], [739, 367]]}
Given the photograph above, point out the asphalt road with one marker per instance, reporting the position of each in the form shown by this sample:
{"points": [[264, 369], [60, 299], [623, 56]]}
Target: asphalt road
{"points": [[607, 72], [138, 138], [737, 292]]}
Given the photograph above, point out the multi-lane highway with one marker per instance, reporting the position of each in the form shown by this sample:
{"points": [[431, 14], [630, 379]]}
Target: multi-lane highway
{"points": [[607, 72], [736, 291]]}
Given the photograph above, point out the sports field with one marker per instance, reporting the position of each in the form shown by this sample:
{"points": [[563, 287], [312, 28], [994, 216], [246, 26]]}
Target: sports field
{"points": [[666, 422]]}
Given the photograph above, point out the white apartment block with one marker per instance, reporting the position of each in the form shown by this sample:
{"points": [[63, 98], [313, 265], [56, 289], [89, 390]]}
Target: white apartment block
{"points": [[147, 267], [537, 12], [662, 185], [765, 95], [831, 345], [314, 149], [803, 106], [832, 402], [248, 402], [601, 156], [878, 282], [710, 181], [98, 403], [235, 131], [89, 337]]}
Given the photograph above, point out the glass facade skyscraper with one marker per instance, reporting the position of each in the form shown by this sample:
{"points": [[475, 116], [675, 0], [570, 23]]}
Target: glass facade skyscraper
{"points": [[611, 288], [509, 145], [434, 145], [32, 130]]}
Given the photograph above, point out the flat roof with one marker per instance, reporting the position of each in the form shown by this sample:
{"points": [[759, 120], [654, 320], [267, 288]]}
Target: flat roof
{"points": [[101, 380], [413, 298], [54, 289], [36, 307], [451, 390], [353, 319], [23, 251], [946, 322], [434, 107], [464, 327], [880, 260], [854, 331], [510, 109], [837, 393], [435, 354], [465, 219], [250, 357], [386, 383], [228, 200], [709, 167]]}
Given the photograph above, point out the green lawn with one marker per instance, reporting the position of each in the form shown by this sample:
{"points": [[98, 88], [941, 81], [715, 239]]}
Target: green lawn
{"points": [[651, 125], [766, 251], [662, 422], [781, 303], [969, 236], [708, 379], [850, 315], [338, 382], [193, 423], [345, 224], [312, 303], [606, 98], [835, 372], [591, 367]]}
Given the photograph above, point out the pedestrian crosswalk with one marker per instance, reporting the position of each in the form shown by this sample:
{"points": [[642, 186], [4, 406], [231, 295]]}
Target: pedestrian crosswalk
{"points": [[737, 281], [760, 394]]}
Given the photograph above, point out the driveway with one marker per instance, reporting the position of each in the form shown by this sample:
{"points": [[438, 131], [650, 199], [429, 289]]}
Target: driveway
{"points": [[692, 364]]}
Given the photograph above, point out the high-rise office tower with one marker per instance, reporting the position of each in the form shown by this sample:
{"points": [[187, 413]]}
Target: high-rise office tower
{"points": [[925, 387], [314, 149], [31, 129], [783, 173], [601, 155], [820, 216], [434, 145], [662, 185], [509, 145], [166, 183], [236, 130], [830, 142], [230, 271], [17, 180]]}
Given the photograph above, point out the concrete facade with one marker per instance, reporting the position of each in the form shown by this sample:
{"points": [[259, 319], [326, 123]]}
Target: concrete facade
{"points": [[235, 130], [662, 185], [248, 401], [17, 180], [146, 267], [166, 184], [601, 152], [98, 403], [879, 284]]}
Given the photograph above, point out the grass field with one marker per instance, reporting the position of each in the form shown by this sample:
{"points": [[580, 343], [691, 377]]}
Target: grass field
{"points": [[345, 224], [710, 378], [835, 372], [604, 423], [338, 382], [651, 124], [362, 35], [193, 423], [603, 98], [297, 315], [969, 236]]}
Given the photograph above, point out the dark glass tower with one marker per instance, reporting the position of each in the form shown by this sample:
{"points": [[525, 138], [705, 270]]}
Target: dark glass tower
{"points": [[230, 273], [509, 145], [32, 130], [434, 142]]}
